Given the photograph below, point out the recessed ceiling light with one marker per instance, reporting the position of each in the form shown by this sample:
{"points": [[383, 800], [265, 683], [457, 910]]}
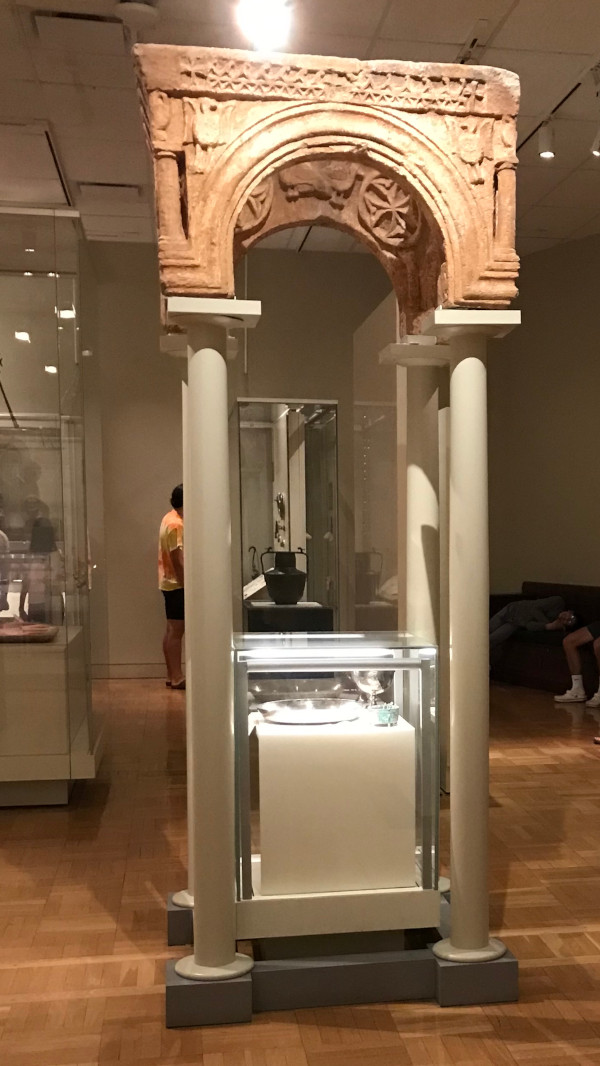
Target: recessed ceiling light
{"points": [[67, 312], [22, 335], [27, 274], [30, 249], [51, 274], [266, 23], [595, 149], [51, 369], [546, 141]]}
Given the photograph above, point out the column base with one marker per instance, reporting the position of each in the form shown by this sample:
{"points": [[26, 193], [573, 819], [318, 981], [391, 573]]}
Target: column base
{"points": [[183, 898], [460, 984], [180, 923], [189, 968], [189, 1003], [445, 950]]}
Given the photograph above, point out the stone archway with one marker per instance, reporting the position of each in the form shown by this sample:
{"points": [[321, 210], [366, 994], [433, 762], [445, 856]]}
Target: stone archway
{"points": [[417, 160]]}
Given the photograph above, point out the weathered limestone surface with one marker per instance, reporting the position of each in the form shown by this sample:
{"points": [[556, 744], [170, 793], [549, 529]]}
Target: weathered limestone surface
{"points": [[415, 159]]}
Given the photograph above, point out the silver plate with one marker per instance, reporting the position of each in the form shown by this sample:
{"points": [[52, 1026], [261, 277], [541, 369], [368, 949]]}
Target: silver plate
{"points": [[310, 711]]}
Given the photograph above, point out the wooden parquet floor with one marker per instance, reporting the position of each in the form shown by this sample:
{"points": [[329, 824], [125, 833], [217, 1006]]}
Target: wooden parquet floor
{"points": [[82, 896]]}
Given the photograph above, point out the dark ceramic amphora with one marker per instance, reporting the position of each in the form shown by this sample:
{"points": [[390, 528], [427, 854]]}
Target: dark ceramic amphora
{"points": [[285, 582]]}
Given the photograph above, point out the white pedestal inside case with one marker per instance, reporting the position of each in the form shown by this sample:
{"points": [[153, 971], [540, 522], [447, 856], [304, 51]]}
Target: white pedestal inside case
{"points": [[337, 807]]}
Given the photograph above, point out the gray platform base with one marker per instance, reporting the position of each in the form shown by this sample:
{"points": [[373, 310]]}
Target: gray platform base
{"points": [[378, 977], [191, 1003], [180, 924], [34, 793], [462, 984]]}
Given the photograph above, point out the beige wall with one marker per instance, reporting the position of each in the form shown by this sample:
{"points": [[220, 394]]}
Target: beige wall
{"points": [[312, 303], [544, 425], [139, 394]]}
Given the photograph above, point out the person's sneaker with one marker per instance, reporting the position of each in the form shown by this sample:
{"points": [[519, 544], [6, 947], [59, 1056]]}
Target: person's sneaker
{"points": [[572, 695], [595, 701]]}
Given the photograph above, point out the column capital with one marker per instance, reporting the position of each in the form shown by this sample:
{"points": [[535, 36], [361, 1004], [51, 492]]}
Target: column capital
{"points": [[449, 322], [415, 350], [216, 311]]}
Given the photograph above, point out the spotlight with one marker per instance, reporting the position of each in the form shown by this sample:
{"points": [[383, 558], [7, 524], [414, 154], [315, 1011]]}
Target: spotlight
{"points": [[22, 335], [51, 369], [595, 149], [546, 141], [266, 23]]}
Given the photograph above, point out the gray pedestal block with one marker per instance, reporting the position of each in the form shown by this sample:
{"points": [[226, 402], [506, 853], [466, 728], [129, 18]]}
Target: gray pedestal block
{"points": [[378, 977], [180, 924], [462, 984], [192, 1003]]}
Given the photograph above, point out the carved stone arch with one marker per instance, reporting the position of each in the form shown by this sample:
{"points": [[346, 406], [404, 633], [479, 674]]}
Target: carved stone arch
{"points": [[230, 131]]}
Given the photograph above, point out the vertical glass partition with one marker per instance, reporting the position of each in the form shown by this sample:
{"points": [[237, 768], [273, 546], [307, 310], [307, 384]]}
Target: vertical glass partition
{"points": [[44, 655], [288, 498]]}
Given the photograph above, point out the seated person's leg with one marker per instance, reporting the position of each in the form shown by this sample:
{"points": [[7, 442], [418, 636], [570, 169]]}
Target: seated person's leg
{"points": [[594, 628], [571, 644]]}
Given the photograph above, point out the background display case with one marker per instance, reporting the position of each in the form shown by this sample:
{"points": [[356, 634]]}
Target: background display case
{"points": [[47, 735], [336, 783], [288, 502]]}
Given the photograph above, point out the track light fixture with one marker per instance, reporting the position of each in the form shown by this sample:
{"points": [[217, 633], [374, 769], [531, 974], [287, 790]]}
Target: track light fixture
{"points": [[546, 141]]}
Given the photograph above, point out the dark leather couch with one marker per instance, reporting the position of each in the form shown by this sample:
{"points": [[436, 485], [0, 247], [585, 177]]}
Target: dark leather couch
{"points": [[537, 660]]}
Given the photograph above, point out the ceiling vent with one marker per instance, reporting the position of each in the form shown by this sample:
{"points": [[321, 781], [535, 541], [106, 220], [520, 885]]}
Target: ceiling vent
{"points": [[108, 192], [137, 14], [71, 32]]}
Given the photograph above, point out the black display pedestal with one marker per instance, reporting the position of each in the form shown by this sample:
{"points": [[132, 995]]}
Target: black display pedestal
{"points": [[262, 616]]}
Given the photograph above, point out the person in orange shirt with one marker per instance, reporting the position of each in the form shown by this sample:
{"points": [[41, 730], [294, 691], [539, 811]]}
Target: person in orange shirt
{"points": [[170, 583]]}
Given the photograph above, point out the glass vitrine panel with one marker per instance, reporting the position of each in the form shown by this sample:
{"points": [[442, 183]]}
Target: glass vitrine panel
{"points": [[336, 763], [44, 639]]}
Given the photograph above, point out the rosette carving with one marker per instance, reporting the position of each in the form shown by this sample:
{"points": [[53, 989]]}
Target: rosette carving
{"points": [[389, 213], [255, 210]]}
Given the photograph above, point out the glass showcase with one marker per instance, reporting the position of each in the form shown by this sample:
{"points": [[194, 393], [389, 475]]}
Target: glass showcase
{"points": [[44, 635], [375, 516], [288, 499], [336, 751]]}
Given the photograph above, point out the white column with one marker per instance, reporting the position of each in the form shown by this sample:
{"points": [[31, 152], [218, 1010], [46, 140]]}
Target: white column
{"points": [[207, 505], [401, 488], [469, 677], [466, 330], [422, 504], [185, 898], [444, 641]]}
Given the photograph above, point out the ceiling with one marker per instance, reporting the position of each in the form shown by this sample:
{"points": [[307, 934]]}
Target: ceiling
{"points": [[70, 129]]}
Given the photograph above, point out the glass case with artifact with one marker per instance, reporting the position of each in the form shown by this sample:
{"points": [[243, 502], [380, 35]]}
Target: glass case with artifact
{"points": [[337, 782], [288, 502], [46, 731]]}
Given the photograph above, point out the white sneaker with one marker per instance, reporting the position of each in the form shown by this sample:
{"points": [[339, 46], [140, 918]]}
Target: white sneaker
{"points": [[572, 695], [595, 700]]}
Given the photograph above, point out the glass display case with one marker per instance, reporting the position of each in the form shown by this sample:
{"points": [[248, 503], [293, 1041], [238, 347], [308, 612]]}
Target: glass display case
{"points": [[337, 775], [375, 516], [46, 732], [288, 505]]}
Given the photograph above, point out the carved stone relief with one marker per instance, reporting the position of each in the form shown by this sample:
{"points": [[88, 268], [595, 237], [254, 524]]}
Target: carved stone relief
{"points": [[417, 160]]}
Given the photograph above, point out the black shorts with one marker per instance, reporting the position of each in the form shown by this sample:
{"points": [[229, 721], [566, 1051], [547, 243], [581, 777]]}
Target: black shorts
{"points": [[594, 628], [174, 605]]}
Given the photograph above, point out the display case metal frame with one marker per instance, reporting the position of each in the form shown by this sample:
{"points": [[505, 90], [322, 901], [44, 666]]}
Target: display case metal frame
{"points": [[414, 666]]}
